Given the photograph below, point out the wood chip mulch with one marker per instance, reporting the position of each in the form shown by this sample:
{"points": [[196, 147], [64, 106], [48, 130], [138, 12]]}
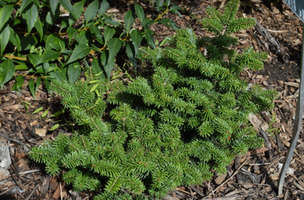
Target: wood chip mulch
{"points": [[251, 176]]}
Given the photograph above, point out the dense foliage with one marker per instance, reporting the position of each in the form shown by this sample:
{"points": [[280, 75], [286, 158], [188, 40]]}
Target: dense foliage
{"points": [[149, 135], [50, 40]]}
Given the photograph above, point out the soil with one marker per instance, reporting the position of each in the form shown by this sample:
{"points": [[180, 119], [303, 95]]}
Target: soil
{"points": [[251, 176]]}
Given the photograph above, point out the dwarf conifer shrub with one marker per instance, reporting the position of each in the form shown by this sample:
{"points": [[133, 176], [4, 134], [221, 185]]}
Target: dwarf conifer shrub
{"points": [[177, 127]]}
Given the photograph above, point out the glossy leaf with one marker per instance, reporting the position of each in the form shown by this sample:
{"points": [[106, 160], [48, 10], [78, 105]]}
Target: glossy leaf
{"points": [[91, 11], [53, 5], [31, 16], [5, 14], [129, 20], [79, 52], [24, 4], [136, 40], [149, 37], [52, 40], [14, 39], [82, 37], [49, 55], [139, 12], [68, 6], [96, 66], [8, 70], [39, 28], [5, 35], [72, 33], [18, 83], [109, 67], [114, 46], [104, 6], [78, 8], [131, 53], [74, 71], [34, 59], [159, 3], [31, 85], [59, 75], [108, 33], [45, 67]]}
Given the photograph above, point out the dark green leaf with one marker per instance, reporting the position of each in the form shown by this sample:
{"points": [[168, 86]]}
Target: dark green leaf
{"points": [[168, 22], [149, 37], [14, 38], [34, 59], [18, 83], [4, 38], [67, 5], [159, 3], [129, 20], [31, 16], [104, 6], [82, 37], [147, 22], [91, 11], [45, 67], [96, 66], [114, 46], [139, 12], [109, 67], [60, 75], [47, 84], [49, 55], [104, 57], [24, 4], [53, 5], [50, 19], [39, 28], [131, 53], [54, 39], [168, 2], [136, 40], [8, 70], [79, 52], [99, 39], [27, 42], [38, 82], [108, 33], [94, 29], [78, 8], [72, 33], [175, 9], [31, 85], [5, 14], [74, 71]]}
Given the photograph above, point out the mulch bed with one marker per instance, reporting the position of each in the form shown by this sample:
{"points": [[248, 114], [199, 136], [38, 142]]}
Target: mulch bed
{"points": [[251, 176]]}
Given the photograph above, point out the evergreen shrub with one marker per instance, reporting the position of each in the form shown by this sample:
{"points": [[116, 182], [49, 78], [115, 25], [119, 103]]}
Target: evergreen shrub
{"points": [[178, 127]]}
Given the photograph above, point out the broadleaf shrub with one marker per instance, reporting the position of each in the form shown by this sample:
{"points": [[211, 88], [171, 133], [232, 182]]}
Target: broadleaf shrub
{"points": [[56, 37]]}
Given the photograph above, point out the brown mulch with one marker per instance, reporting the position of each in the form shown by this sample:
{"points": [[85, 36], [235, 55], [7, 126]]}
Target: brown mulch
{"points": [[251, 176]]}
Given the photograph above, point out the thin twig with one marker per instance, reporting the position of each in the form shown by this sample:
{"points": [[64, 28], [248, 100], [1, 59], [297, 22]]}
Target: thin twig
{"points": [[32, 192], [11, 139], [230, 177]]}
